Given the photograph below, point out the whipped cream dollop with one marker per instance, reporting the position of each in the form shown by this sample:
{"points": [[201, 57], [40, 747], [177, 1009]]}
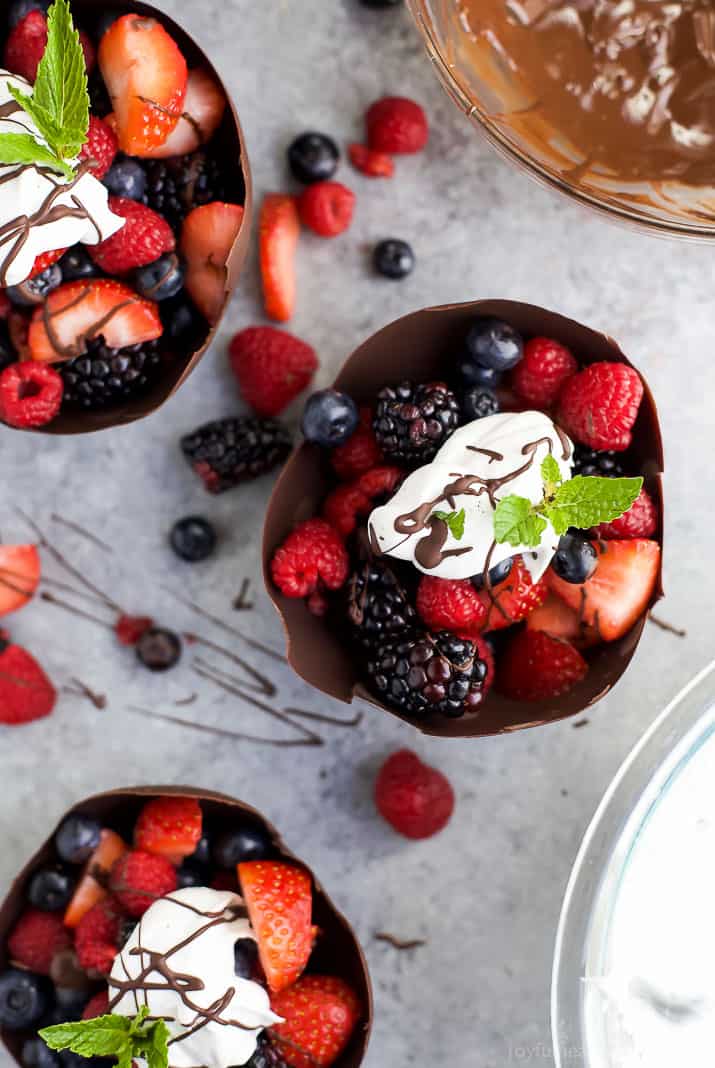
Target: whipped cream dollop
{"points": [[479, 465], [40, 210], [179, 962]]}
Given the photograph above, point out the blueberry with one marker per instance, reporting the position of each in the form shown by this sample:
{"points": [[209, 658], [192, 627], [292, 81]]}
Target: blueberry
{"points": [[126, 178], [193, 538], [37, 1054], [182, 322], [77, 839], [105, 20], [575, 559], [50, 889], [70, 1002], [34, 290], [497, 574], [393, 258], [473, 374], [202, 853], [24, 999], [161, 279], [190, 874], [158, 649], [245, 955], [77, 264], [68, 1059], [7, 350], [126, 931], [494, 343], [313, 157], [479, 402], [247, 843], [329, 418], [21, 8]]}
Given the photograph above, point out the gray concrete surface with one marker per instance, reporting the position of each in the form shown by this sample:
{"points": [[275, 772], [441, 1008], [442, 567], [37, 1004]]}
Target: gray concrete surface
{"points": [[486, 893]]}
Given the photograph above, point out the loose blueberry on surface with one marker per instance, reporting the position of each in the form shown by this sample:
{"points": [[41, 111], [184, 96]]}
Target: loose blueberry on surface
{"points": [[7, 352], [24, 999], [479, 402], [160, 280], [494, 343], [77, 839], [246, 843], [245, 955], [497, 574], [329, 418], [575, 560], [393, 259], [37, 1054], [76, 264], [193, 538], [473, 374], [190, 874], [20, 8], [50, 889], [313, 157], [158, 649], [126, 178], [35, 290]]}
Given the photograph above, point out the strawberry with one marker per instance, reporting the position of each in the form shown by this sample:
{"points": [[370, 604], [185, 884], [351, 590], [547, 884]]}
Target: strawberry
{"points": [[80, 310], [19, 576], [36, 939], [26, 693], [618, 592], [327, 208], [139, 879], [360, 452], [30, 394], [46, 259], [145, 237], [512, 600], [146, 76], [279, 228], [536, 667], [320, 1013], [97, 937], [27, 43], [203, 110], [640, 521], [370, 163], [396, 125], [98, 1005], [169, 827], [279, 900], [416, 799], [100, 147], [599, 405], [272, 367], [90, 890], [207, 237], [542, 371], [555, 617], [450, 604]]}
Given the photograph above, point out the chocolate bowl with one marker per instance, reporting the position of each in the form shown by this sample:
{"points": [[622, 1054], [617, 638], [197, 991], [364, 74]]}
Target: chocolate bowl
{"points": [[230, 149], [337, 951], [419, 346]]}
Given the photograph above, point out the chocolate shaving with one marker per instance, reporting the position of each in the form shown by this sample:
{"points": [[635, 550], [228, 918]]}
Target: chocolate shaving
{"points": [[59, 603], [65, 564], [261, 684], [77, 529], [224, 732], [662, 624], [399, 943], [81, 689], [241, 602], [217, 621], [183, 701], [580, 723]]}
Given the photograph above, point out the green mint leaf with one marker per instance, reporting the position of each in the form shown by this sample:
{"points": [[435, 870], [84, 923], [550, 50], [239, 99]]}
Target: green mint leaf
{"points": [[23, 148], [551, 474], [60, 91], [455, 522], [157, 1054], [105, 1036], [516, 522], [136, 1026], [586, 501]]}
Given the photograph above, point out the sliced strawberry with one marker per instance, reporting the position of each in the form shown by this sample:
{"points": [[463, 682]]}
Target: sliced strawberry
{"points": [[513, 599], [279, 900], [146, 76], [90, 890], [279, 231], [204, 108], [207, 237], [19, 576], [536, 667], [619, 590], [169, 827], [555, 617], [320, 1013], [78, 311], [26, 693], [46, 260]]}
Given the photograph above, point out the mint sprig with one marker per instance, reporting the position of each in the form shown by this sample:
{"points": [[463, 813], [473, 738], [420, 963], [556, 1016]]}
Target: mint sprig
{"points": [[59, 104], [454, 521], [122, 1037]]}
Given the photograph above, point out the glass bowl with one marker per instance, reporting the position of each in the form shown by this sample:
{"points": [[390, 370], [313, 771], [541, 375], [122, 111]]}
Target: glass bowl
{"points": [[486, 87], [632, 979]]}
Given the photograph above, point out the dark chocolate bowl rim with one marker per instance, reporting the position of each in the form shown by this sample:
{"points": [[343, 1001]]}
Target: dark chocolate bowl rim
{"points": [[412, 347], [339, 947], [234, 152]]}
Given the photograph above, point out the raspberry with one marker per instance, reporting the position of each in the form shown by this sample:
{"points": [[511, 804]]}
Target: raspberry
{"points": [[544, 368], [311, 554], [100, 147], [397, 126], [30, 394], [537, 667], [348, 502], [599, 405], [26, 45], [416, 799], [97, 937], [139, 879], [485, 653], [513, 599], [450, 604], [640, 521], [98, 1005], [360, 452], [272, 367], [129, 629], [144, 237], [36, 939], [381, 481], [327, 208], [370, 163]]}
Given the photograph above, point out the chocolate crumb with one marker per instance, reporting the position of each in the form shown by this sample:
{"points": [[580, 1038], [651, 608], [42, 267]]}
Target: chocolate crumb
{"points": [[241, 602], [81, 689], [183, 701], [82, 531], [399, 943], [580, 723]]}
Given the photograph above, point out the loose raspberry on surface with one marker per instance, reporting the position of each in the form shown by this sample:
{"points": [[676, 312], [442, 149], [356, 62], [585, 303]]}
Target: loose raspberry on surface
{"points": [[144, 237], [272, 367], [360, 452], [640, 521], [36, 939], [98, 1005], [139, 879], [97, 937], [536, 667], [599, 405], [170, 827], [327, 208], [370, 163], [279, 899], [416, 799], [313, 553], [100, 147], [30, 394], [513, 599], [129, 629], [543, 370], [396, 125], [320, 1014], [450, 604]]}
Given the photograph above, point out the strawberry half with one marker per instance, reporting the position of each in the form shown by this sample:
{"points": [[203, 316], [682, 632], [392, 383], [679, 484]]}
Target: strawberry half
{"points": [[91, 887], [279, 230], [146, 76], [207, 237], [19, 576], [203, 110], [513, 599], [169, 827], [320, 1013], [279, 900], [26, 693], [78, 311], [536, 667], [554, 617]]}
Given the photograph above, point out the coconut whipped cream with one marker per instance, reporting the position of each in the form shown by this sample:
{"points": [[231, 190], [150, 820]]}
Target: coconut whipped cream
{"points": [[40, 210], [478, 466], [179, 962]]}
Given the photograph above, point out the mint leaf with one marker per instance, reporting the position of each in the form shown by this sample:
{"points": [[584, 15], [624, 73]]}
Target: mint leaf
{"points": [[157, 1054], [60, 91], [551, 474], [586, 501], [455, 522], [23, 148], [122, 1037], [517, 523]]}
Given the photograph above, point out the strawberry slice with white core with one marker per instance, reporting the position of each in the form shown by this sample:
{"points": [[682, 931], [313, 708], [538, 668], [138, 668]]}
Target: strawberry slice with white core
{"points": [[19, 576], [204, 108], [279, 899], [75, 313], [207, 237], [146, 76]]}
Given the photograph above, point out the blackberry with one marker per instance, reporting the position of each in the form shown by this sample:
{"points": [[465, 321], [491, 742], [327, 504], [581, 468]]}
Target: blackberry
{"points": [[174, 186], [378, 607], [605, 464], [413, 421], [104, 376], [266, 1055], [229, 451], [428, 674]]}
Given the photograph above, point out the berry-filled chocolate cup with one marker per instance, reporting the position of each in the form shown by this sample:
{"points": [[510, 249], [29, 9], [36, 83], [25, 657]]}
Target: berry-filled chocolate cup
{"points": [[415, 545], [182, 905], [99, 333]]}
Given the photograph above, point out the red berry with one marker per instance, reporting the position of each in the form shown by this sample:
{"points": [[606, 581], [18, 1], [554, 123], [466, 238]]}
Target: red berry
{"points": [[36, 939], [98, 1005], [544, 368], [513, 599], [45, 260], [450, 604], [90, 54], [30, 394], [129, 629], [145, 237], [279, 228], [5, 305], [20, 571], [347, 503], [415, 798], [320, 1013], [26, 45], [640, 521], [311, 554], [537, 667], [484, 652], [360, 452], [139, 879], [97, 937], [208, 234], [396, 125], [279, 899], [599, 405], [272, 367], [26, 693], [100, 147], [327, 208], [169, 826], [370, 163]]}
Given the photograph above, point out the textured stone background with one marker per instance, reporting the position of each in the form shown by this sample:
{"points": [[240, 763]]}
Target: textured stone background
{"points": [[486, 893]]}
